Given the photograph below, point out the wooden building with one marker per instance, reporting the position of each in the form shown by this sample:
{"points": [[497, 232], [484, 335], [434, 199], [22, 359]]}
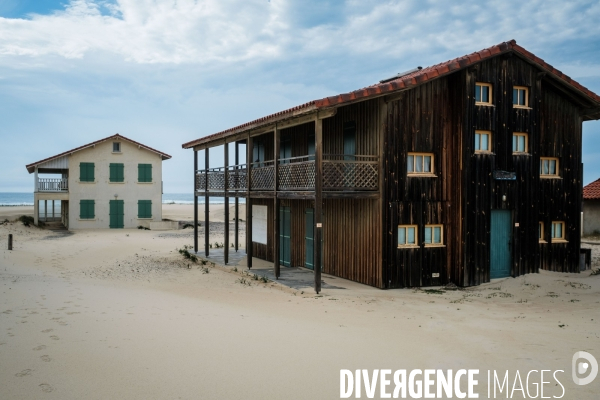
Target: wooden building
{"points": [[461, 172]]}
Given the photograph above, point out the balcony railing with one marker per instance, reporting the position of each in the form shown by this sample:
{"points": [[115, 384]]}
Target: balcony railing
{"points": [[53, 185], [340, 173]]}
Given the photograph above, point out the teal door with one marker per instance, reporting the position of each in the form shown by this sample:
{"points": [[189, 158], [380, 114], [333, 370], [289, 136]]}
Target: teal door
{"points": [[500, 242], [285, 233], [116, 213], [309, 238]]}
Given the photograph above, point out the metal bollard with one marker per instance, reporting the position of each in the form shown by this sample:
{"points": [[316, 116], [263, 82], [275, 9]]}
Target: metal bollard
{"points": [[10, 241]]}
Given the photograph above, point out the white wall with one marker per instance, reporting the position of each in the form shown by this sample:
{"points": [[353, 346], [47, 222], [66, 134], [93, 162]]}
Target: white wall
{"points": [[102, 191]]}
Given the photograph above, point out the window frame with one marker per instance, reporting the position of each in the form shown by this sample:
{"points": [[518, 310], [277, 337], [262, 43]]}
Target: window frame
{"points": [[562, 238], [118, 146], [423, 173], [142, 178], [550, 176], [525, 97], [85, 176], [406, 244], [116, 167], [541, 233], [526, 136], [432, 227], [478, 86], [482, 132], [86, 204], [143, 204]]}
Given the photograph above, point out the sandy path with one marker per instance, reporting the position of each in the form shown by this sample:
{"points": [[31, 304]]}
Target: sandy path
{"points": [[105, 314]]}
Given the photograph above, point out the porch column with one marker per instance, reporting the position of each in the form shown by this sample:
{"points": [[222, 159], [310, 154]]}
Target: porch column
{"points": [[35, 180], [52, 210], [206, 223], [276, 140], [195, 202], [45, 210], [249, 150], [36, 209], [237, 198], [318, 201], [226, 211]]}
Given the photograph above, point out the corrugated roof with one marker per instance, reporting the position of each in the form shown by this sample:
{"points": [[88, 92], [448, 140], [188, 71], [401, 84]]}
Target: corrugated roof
{"points": [[31, 167], [404, 82], [592, 191]]}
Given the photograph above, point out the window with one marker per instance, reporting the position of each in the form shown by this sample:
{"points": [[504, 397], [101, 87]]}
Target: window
{"points": [[86, 209], [86, 172], [483, 141], [483, 93], [144, 172], [434, 235], [520, 96], [407, 235], [558, 231], [520, 142], [144, 208], [541, 232], [419, 163], [116, 147], [548, 167], [116, 173]]}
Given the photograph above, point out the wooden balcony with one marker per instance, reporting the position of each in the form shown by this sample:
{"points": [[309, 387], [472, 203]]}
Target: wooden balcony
{"points": [[52, 185], [340, 173]]}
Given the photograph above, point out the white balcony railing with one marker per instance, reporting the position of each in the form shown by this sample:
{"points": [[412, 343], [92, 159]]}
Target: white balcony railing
{"points": [[53, 185]]}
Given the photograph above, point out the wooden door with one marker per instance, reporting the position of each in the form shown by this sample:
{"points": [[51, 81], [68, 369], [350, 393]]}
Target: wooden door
{"points": [[116, 214], [285, 233], [500, 243]]}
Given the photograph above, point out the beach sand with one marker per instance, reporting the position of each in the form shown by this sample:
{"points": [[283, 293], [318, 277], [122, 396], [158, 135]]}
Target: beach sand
{"points": [[118, 314]]}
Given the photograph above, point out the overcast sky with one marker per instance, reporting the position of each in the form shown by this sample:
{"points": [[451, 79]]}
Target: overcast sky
{"points": [[164, 72]]}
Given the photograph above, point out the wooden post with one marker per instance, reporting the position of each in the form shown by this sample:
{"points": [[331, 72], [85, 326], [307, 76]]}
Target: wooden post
{"points": [[276, 267], [226, 210], [249, 150], [237, 198], [318, 201], [195, 202], [206, 211], [45, 210], [53, 210], [10, 241]]}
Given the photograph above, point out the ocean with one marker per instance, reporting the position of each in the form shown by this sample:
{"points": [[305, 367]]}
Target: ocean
{"points": [[26, 199]]}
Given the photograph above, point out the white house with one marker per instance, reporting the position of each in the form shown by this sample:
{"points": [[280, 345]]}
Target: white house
{"points": [[114, 182]]}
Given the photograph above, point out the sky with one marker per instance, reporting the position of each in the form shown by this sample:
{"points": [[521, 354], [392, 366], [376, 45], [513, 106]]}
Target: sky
{"points": [[164, 72]]}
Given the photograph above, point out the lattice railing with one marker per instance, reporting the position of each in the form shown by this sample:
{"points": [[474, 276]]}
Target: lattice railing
{"points": [[297, 173], [216, 179], [263, 176], [237, 178], [343, 172]]}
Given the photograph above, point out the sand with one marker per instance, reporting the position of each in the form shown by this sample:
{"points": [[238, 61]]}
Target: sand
{"points": [[118, 314]]}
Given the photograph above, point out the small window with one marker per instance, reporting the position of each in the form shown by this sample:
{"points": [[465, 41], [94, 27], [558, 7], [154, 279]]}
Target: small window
{"points": [[419, 163], [541, 232], [520, 96], [520, 142], [483, 141], [407, 235], [144, 208], [558, 231], [116, 147], [86, 172], [434, 235], [87, 209], [548, 167], [116, 173], [483, 93], [144, 172]]}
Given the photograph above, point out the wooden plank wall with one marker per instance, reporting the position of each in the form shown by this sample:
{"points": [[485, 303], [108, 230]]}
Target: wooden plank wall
{"points": [[365, 114], [299, 137]]}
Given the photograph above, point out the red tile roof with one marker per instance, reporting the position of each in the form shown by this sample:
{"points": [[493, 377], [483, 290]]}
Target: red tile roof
{"points": [[31, 167], [592, 191], [407, 81]]}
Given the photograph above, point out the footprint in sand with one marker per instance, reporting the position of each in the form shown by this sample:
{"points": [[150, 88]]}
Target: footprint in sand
{"points": [[40, 347], [46, 358], [23, 373], [46, 387], [54, 337], [47, 330]]}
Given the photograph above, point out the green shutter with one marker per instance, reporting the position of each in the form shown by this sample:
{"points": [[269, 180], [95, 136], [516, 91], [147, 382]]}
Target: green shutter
{"points": [[86, 172], [144, 172], [86, 209], [117, 173], [144, 208]]}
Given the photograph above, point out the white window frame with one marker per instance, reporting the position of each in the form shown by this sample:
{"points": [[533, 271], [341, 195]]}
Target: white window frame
{"points": [[561, 238], [525, 89], [478, 87], [406, 244], [517, 135], [481, 133], [556, 169], [118, 145], [414, 172], [440, 243], [541, 232]]}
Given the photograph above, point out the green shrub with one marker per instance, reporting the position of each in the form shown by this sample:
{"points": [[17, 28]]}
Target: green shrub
{"points": [[26, 220]]}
